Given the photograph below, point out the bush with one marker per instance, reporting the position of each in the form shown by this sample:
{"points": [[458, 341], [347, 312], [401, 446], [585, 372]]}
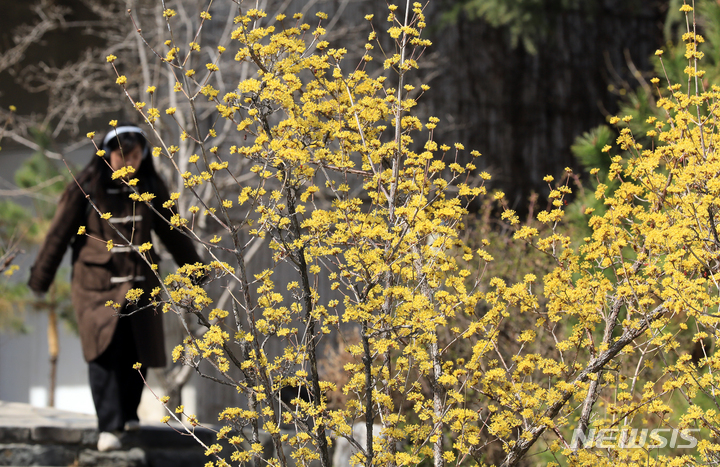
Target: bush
{"points": [[344, 182]]}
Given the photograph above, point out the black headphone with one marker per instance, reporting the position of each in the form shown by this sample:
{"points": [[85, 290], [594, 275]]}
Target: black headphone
{"points": [[120, 130]]}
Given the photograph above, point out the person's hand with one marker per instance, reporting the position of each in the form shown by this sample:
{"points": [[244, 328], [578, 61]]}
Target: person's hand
{"points": [[39, 296]]}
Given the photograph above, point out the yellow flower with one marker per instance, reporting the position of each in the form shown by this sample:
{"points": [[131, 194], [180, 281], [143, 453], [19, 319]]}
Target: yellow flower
{"points": [[133, 295], [121, 80], [111, 58], [123, 172], [81, 230]]}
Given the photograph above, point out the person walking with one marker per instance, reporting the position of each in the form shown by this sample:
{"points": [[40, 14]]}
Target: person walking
{"points": [[113, 338]]}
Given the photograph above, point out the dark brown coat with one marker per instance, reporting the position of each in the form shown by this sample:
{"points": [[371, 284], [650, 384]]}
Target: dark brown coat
{"points": [[100, 275]]}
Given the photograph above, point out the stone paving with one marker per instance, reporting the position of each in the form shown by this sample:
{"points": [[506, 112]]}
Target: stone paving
{"points": [[32, 436]]}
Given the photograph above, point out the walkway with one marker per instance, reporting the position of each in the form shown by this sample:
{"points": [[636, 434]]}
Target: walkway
{"points": [[31, 436]]}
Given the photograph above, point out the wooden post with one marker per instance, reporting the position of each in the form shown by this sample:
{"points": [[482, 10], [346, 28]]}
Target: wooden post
{"points": [[53, 350]]}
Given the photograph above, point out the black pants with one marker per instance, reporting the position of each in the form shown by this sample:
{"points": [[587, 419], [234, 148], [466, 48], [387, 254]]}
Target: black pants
{"points": [[116, 387]]}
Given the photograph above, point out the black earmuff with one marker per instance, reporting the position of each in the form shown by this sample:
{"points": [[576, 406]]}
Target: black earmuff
{"points": [[120, 130]]}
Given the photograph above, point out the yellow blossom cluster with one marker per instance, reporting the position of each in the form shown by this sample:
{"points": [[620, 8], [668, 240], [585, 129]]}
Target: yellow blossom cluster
{"points": [[342, 182]]}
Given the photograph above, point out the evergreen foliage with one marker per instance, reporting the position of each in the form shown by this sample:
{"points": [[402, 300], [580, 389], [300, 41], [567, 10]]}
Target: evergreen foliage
{"points": [[527, 21], [22, 229]]}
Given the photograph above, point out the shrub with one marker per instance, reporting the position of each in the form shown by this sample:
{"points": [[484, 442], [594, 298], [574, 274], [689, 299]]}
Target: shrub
{"points": [[348, 184]]}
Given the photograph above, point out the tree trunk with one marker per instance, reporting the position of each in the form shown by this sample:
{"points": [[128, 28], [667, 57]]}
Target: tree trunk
{"points": [[523, 111]]}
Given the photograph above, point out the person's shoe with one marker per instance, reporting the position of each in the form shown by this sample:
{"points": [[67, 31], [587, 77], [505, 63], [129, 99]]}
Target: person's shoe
{"points": [[108, 441], [132, 425]]}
